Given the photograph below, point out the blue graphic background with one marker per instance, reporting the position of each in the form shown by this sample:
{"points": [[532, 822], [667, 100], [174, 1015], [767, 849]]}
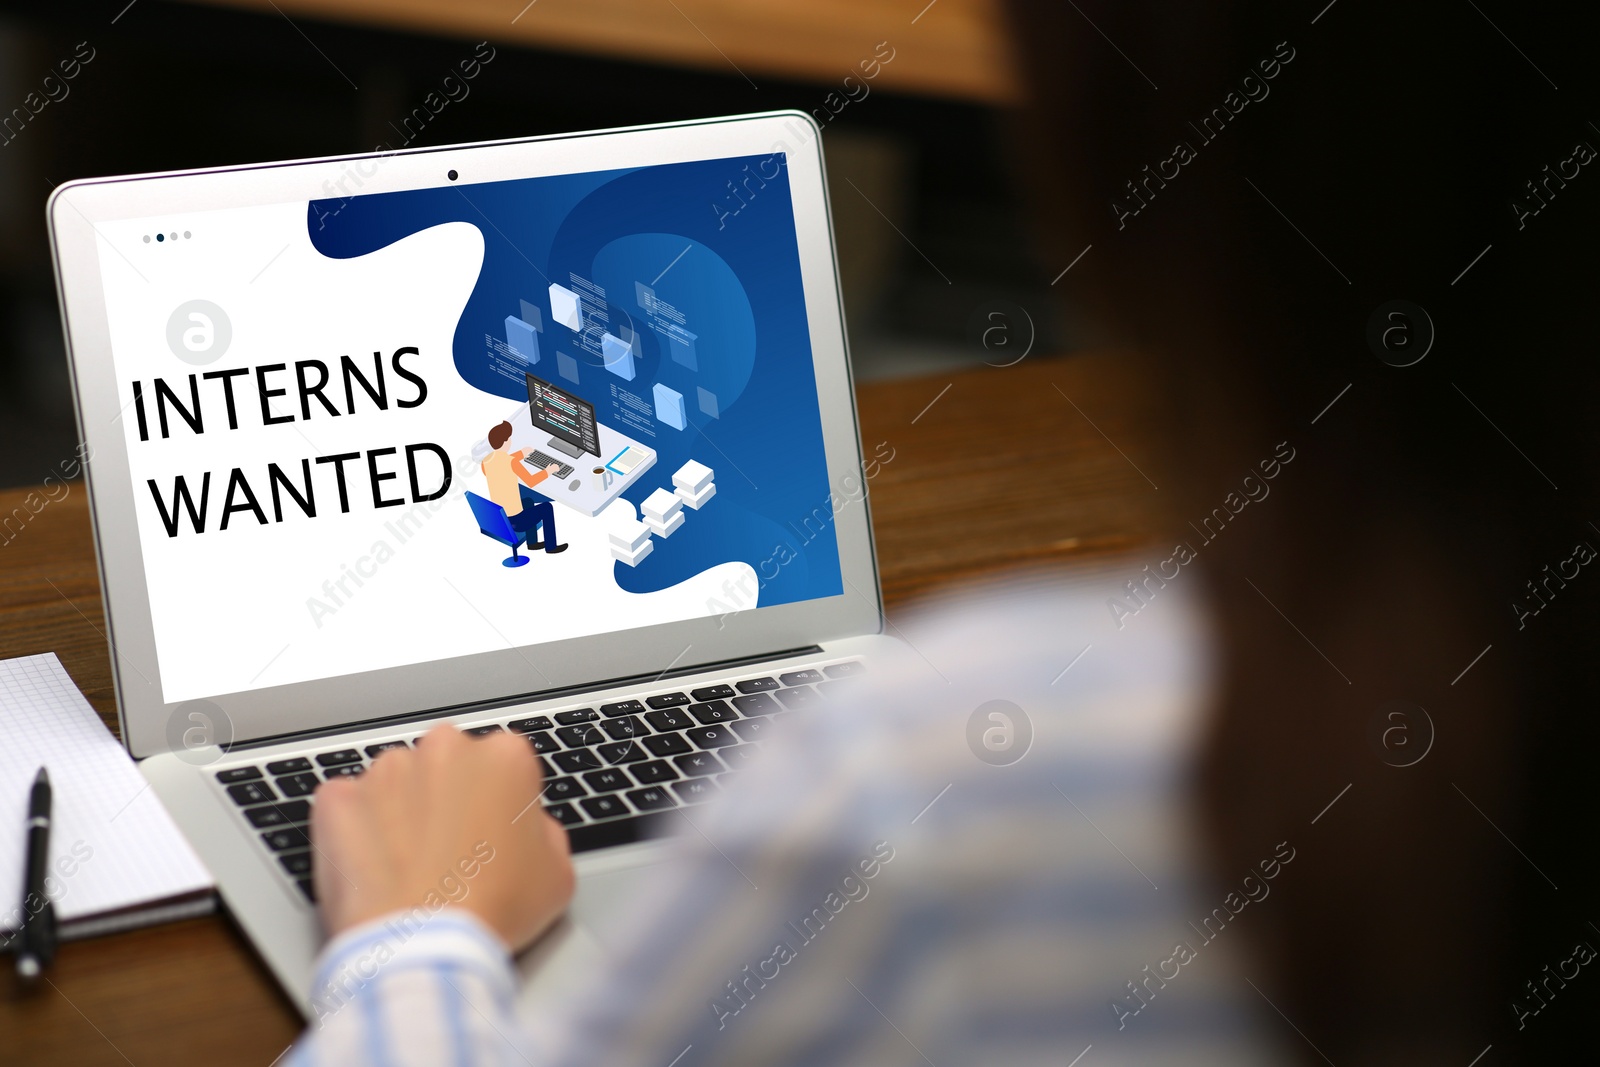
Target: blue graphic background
{"points": [[739, 289]]}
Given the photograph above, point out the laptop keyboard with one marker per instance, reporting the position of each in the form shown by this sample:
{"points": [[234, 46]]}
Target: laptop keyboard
{"points": [[613, 772], [539, 461]]}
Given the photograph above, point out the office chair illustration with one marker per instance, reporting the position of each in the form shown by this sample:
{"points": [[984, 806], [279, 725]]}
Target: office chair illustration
{"points": [[492, 523]]}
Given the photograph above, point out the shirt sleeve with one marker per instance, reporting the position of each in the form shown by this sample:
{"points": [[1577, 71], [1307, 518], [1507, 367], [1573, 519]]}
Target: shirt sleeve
{"points": [[413, 987], [530, 476]]}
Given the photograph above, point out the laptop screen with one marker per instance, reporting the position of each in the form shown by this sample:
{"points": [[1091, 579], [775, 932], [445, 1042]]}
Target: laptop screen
{"points": [[348, 420]]}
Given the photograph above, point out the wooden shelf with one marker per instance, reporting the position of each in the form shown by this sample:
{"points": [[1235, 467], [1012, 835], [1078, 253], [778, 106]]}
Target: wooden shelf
{"points": [[950, 48]]}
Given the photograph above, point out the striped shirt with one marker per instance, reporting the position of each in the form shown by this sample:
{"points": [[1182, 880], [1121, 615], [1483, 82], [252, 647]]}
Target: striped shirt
{"points": [[984, 856]]}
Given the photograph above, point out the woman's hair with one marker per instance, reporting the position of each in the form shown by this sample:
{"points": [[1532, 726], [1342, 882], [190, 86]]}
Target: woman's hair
{"points": [[499, 435], [1366, 233]]}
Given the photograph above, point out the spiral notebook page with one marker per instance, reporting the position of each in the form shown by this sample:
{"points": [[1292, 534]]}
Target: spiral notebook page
{"points": [[112, 844]]}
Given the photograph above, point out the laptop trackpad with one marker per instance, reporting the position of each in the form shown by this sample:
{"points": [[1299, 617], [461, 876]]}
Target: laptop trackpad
{"points": [[605, 896], [574, 951]]}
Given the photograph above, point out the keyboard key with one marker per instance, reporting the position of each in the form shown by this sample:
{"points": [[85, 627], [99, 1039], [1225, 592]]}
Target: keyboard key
{"points": [[845, 670], [563, 789], [573, 718], [806, 677], [484, 731], [608, 781], [711, 736], [580, 736], [622, 707], [286, 838], [577, 761], [669, 720], [757, 685], [801, 696], [667, 700], [602, 807], [657, 770], [739, 756], [625, 727], [384, 746], [348, 770], [666, 744], [296, 862], [543, 742], [289, 766], [651, 799], [752, 729], [545, 770], [759, 704], [697, 763], [238, 774], [695, 790], [267, 816], [251, 793], [713, 711], [565, 814], [307, 889], [282, 814], [335, 759], [714, 692], [527, 726], [298, 785], [622, 752]]}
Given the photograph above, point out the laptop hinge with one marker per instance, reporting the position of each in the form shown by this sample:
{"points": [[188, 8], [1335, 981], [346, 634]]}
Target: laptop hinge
{"points": [[524, 698]]}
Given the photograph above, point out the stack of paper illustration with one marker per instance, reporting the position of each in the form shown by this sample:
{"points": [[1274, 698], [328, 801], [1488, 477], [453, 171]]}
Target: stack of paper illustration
{"points": [[669, 406], [520, 336], [630, 542], [617, 352], [566, 308], [693, 484], [663, 512]]}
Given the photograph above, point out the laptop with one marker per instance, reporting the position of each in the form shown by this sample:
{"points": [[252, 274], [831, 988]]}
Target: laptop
{"points": [[309, 393]]}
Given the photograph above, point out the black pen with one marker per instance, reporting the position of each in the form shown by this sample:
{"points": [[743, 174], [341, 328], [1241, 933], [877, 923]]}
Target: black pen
{"points": [[36, 941]]}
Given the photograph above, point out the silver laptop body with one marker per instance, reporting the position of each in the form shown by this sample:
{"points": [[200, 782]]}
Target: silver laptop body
{"points": [[286, 378]]}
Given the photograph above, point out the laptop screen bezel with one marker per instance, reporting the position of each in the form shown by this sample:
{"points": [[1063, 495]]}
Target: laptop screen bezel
{"points": [[150, 724]]}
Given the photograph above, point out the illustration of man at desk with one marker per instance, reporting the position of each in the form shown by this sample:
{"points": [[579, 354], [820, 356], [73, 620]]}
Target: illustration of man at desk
{"points": [[506, 474], [555, 423]]}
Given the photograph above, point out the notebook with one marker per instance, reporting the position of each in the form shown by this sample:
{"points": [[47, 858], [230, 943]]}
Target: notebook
{"points": [[624, 462], [116, 859]]}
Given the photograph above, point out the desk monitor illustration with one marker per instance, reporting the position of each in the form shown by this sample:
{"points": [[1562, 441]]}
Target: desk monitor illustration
{"points": [[568, 419]]}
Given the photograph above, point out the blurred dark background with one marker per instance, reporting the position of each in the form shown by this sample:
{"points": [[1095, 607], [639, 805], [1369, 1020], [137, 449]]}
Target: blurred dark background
{"points": [[173, 86], [1408, 152]]}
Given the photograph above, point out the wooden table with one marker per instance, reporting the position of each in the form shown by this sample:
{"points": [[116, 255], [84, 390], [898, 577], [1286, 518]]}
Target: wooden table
{"points": [[992, 469]]}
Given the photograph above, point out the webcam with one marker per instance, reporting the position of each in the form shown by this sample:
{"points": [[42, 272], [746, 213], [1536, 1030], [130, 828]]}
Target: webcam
{"points": [[452, 175]]}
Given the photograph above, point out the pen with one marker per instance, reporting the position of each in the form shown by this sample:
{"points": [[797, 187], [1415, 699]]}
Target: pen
{"points": [[36, 941]]}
